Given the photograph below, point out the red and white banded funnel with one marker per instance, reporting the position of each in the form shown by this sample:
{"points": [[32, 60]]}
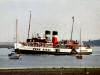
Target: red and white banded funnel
{"points": [[55, 39]]}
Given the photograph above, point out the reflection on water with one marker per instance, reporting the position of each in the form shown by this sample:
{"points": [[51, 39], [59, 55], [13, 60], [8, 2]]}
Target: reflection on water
{"points": [[92, 60]]}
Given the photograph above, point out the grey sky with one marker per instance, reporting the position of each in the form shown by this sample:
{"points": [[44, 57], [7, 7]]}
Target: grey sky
{"points": [[50, 14]]}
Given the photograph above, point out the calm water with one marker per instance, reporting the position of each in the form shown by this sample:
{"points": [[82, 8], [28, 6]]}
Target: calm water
{"points": [[38, 61]]}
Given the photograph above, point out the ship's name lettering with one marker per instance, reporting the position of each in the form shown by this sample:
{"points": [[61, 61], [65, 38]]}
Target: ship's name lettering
{"points": [[46, 49], [36, 49]]}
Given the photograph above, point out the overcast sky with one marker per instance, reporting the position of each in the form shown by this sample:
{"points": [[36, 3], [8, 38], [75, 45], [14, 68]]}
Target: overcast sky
{"points": [[52, 15]]}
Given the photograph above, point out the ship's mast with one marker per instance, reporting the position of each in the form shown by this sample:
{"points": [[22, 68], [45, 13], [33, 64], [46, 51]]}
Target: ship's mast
{"points": [[72, 29], [29, 25], [16, 30], [80, 38]]}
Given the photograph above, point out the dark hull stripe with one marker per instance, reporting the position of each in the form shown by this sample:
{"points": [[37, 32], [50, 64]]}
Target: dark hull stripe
{"points": [[86, 53], [47, 52], [40, 52]]}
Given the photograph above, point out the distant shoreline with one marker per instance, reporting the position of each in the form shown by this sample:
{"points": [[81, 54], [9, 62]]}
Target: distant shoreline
{"points": [[6, 46]]}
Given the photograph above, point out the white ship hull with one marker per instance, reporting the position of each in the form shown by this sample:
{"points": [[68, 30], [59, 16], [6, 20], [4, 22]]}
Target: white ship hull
{"points": [[48, 50], [84, 50]]}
